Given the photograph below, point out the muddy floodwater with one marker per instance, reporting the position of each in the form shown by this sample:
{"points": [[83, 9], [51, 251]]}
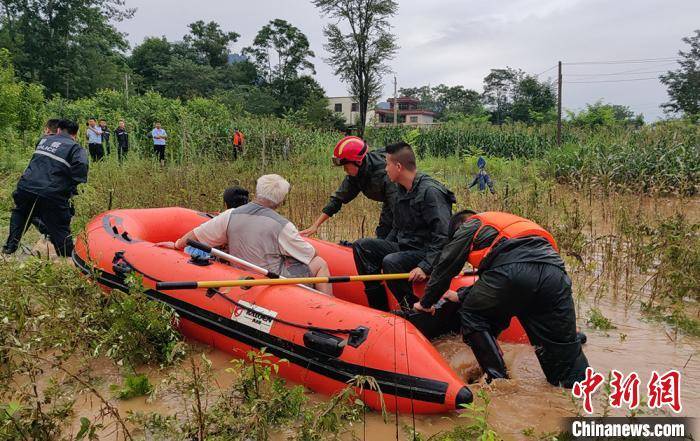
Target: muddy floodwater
{"points": [[526, 400], [636, 344]]}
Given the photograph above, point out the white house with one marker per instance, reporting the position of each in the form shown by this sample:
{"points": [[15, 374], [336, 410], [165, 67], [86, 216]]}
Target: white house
{"points": [[349, 109]]}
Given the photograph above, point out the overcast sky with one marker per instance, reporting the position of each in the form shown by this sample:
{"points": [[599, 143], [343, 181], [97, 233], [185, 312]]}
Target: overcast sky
{"points": [[456, 42]]}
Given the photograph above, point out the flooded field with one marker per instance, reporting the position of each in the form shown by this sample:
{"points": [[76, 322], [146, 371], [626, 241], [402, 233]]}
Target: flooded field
{"points": [[525, 405]]}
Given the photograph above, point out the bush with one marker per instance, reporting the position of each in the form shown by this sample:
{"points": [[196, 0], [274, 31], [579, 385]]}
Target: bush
{"points": [[136, 330]]}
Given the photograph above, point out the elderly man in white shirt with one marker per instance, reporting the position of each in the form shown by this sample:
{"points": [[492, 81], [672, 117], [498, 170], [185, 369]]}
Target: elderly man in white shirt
{"points": [[255, 232]]}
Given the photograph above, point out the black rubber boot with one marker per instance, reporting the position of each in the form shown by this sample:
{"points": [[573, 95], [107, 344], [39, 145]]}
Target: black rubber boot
{"points": [[488, 354], [376, 297]]}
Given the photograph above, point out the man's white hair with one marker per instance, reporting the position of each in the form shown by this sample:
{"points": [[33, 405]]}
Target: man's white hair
{"points": [[274, 188]]}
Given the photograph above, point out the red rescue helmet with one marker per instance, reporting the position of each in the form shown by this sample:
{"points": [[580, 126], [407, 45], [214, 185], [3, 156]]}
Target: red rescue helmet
{"points": [[349, 149]]}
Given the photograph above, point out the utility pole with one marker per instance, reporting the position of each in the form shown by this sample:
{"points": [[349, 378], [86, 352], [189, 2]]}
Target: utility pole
{"points": [[396, 105], [126, 88], [559, 107]]}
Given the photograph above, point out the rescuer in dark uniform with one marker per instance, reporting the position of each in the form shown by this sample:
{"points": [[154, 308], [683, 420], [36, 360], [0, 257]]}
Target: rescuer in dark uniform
{"points": [[520, 274], [58, 165], [365, 173], [422, 209]]}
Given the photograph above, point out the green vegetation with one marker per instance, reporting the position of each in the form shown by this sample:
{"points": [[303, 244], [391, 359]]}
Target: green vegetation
{"points": [[57, 327], [49, 297], [41, 299], [478, 428], [257, 404], [598, 321], [135, 385], [684, 83]]}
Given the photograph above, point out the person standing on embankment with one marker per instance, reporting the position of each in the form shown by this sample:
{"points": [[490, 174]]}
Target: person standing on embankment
{"points": [[238, 141], [122, 140], [160, 137], [94, 139]]}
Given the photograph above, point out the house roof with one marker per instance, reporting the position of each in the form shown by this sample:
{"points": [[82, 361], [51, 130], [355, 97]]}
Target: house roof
{"points": [[405, 112], [404, 99]]}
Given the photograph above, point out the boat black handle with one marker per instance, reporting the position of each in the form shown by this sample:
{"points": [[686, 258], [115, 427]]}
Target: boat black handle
{"points": [[175, 285], [199, 245]]}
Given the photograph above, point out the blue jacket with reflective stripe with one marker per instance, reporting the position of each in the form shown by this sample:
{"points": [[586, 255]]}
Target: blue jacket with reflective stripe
{"points": [[58, 165]]}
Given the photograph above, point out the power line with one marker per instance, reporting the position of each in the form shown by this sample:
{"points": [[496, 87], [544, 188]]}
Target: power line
{"points": [[612, 81], [637, 69], [545, 71], [615, 73], [641, 60]]}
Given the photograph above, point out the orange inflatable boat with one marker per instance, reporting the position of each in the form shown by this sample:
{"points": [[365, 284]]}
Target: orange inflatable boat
{"points": [[327, 341]]}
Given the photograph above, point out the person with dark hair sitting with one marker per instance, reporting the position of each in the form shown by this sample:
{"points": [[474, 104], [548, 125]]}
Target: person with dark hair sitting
{"points": [[421, 211], [235, 196], [521, 274]]}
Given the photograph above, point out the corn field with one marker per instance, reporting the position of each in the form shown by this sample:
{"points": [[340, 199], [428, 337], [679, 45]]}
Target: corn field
{"points": [[663, 158]]}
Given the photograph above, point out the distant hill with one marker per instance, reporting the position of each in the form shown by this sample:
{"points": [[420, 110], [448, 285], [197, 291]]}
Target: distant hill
{"points": [[236, 58]]}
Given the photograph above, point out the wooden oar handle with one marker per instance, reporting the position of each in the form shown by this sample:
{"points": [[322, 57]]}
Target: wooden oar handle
{"points": [[269, 282]]}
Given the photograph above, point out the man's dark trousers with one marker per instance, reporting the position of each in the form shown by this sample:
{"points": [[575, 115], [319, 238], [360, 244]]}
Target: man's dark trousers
{"points": [[539, 294], [55, 215], [374, 256], [96, 151]]}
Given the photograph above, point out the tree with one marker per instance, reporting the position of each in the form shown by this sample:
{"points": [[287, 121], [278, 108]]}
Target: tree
{"points": [[209, 43], [281, 51], [457, 99], [183, 78], [533, 101], [252, 99], [359, 56], [315, 113], [148, 59], [293, 94], [69, 46], [196, 66], [20, 103], [603, 114], [425, 94], [513, 95], [236, 74], [684, 83], [499, 86], [446, 100]]}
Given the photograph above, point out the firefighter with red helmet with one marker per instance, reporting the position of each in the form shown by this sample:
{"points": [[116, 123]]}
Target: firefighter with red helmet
{"points": [[521, 274], [366, 174]]}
